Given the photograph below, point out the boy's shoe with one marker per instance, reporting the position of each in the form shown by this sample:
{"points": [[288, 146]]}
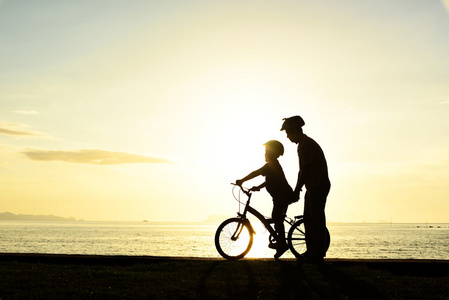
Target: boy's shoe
{"points": [[272, 245], [280, 250]]}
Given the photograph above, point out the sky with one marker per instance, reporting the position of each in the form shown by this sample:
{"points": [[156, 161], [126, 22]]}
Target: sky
{"points": [[148, 110]]}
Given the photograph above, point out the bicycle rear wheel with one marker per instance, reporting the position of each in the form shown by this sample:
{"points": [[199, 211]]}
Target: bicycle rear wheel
{"points": [[233, 239], [297, 239]]}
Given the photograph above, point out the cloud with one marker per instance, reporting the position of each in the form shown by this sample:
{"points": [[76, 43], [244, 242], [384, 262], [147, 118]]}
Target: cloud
{"points": [[92, 156], [15, 130], [444, 102], [26, 112]]}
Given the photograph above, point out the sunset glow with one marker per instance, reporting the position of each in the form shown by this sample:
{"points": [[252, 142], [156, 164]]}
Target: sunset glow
{"points": [[148, 110]]}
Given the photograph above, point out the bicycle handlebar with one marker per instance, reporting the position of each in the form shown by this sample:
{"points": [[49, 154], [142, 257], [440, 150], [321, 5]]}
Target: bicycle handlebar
{"points": [[247, 192]]}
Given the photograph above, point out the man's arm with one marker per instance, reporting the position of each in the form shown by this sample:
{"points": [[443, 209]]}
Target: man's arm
{"points": [[303, 174], [258, 188]]}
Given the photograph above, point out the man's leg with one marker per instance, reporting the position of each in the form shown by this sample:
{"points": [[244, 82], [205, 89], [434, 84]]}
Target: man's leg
{"points": [[315, 223], [319, 224], [308, 226]]}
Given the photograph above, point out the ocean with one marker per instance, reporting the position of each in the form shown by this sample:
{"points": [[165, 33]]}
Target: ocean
{"points": [[354, 240]]}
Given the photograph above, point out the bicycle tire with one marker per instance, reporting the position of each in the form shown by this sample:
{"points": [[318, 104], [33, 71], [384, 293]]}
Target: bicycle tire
{"points": [[228, 247], [296, 239]]}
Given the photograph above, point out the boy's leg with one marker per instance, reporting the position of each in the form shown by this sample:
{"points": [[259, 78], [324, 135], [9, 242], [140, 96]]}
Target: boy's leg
{"points": [[278, 215]]}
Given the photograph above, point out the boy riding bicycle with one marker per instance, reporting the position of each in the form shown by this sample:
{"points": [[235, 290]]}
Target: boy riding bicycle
{"points": [[278, 187]]}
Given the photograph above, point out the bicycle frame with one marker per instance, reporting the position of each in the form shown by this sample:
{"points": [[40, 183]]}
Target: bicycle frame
{"points": [[234, 236], [266, 222]]}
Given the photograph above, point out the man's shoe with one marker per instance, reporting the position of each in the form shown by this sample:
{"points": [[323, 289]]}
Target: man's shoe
{"points": [[307, 257], [280, 250], [314, 259]]}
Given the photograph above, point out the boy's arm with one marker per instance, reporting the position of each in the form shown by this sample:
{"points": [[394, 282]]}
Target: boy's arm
{"points": [[249, 176]]}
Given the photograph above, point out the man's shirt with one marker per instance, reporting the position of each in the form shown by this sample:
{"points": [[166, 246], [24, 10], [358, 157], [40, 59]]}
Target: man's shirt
{"points": [[310, 154]]}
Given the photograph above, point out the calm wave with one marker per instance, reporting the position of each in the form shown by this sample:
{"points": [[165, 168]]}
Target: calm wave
{"points": [[393, 241]]}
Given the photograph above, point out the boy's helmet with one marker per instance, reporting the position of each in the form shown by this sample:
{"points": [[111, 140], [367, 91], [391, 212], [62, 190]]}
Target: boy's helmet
{"points": [[276, 146], [292, 122]]}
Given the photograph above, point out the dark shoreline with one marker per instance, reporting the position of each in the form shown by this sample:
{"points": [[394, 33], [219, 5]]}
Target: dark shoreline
{"points": [[64, 276], [46, 257], [422, 267]]}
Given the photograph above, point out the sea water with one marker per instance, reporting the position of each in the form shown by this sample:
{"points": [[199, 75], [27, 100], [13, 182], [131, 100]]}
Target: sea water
{"points": [[365, 241]]}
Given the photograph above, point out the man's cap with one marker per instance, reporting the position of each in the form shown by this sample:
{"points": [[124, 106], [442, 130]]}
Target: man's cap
{"points": [[292, 122]]}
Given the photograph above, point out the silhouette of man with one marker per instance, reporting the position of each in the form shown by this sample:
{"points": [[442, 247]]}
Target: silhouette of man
{"points": [[313, 174]]}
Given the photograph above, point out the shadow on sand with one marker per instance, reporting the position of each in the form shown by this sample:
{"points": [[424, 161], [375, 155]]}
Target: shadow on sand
{"points": [[290, 280]]}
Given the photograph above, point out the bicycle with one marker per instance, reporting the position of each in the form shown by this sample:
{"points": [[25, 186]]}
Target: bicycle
{"points": [[234, 237]]}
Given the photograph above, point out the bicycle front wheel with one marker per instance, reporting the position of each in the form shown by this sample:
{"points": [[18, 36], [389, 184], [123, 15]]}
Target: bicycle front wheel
{"points": [[296, 239], [233, 239]]}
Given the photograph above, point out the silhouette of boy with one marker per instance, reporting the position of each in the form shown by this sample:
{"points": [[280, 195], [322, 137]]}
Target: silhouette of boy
{"points": [[279, 189]]}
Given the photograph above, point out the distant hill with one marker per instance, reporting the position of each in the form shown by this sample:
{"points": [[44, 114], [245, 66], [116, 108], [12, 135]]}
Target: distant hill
{"points": [[11, 216]]}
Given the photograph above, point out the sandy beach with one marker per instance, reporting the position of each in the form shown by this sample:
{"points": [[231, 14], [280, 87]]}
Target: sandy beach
{"points": [[49, 276]]}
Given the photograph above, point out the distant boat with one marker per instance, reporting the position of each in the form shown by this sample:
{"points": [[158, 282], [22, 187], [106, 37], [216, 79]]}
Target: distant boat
{"points": [[145, 220]]}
